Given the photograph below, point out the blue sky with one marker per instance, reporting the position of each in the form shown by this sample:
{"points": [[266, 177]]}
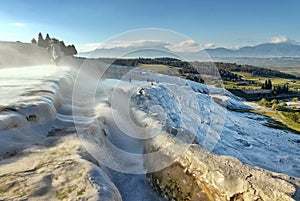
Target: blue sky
{"points": [[226, 23]]}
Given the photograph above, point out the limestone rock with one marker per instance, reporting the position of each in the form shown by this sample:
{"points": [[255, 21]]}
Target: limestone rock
{"points": [[199, 175], [56, 173]]}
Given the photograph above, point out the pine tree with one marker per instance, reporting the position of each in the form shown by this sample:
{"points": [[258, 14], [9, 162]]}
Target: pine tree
{"points": [[264, 85], [41, 40], [48, 37], [47, 40], [269, 84], [285, 88]]}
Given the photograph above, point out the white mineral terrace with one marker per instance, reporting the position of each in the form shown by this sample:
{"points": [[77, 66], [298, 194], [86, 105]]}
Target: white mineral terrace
{"points": [[43, 158]]}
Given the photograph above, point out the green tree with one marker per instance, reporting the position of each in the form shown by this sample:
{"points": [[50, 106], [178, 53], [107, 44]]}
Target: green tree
{"points": [[265, 102], [70, 50], [274, 101], [33, 41], [285, 88], [281, 106], [41, 41], [47, 40], [269, 84]]}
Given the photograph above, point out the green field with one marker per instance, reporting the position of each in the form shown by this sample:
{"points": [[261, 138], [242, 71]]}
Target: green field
{"points": [[279, 116], [160, 68], [294, 85]]}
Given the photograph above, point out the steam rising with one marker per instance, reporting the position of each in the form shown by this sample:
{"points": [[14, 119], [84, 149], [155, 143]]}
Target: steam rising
{"points": [[15, 54]]}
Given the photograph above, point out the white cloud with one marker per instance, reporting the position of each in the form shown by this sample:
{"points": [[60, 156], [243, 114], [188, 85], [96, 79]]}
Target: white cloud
{"points": [[185, 46], [17, 24], [284, 39], [279, 39], [123, 44], [89, 47], [209, 45], [137, 43]]}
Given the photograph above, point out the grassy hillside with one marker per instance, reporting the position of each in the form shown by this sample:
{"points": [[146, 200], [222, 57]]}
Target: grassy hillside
{"points": [[160, 68], [236, 78], [228, 71]]}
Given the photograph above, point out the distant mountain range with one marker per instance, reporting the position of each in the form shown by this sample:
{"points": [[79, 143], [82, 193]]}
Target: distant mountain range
{"points": [[261, 51], [266, 50]]}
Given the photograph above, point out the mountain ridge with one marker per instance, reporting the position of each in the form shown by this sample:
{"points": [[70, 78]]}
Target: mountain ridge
{"points": [[261, 50], [264, 50]]}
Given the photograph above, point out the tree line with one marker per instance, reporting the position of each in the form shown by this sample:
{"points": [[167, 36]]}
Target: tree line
{"points": [[254, 70], [277, 89], [192, 70], [69, 50]]}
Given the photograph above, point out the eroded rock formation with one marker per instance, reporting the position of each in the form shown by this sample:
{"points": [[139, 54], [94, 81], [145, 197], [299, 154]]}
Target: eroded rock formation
{"points": [[199, 175]]}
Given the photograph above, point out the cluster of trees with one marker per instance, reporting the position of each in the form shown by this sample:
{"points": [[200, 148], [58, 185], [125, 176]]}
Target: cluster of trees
{"points": [[209, 68], [276, 89], [44, 42], [185, 68], [273, 104], [227, 71], [193, 70], [190, 70], [281, 89], [267, 84], [229, 76], [162, 61], [291, 113], [255, 71], [69, 50]]}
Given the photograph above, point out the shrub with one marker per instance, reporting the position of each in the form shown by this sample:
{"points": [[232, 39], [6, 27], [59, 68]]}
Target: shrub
{"points": [[274, 106], [274, 101], [281, 106], [265, 102], [294, 116]]}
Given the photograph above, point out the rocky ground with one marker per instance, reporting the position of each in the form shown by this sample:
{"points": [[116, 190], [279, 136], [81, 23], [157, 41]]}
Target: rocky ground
{"points": [[41, 157], [200, 175], [60, 172]]}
